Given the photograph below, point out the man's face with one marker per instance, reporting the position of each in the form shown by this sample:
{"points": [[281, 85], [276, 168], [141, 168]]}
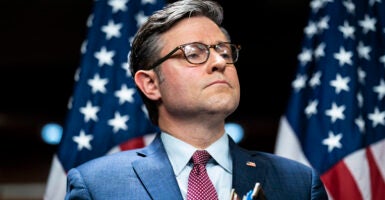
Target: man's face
{"points": [[190, 90]]}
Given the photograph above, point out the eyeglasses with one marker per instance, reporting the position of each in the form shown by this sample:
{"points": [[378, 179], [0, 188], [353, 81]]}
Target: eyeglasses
{"points": [[198, 53]]}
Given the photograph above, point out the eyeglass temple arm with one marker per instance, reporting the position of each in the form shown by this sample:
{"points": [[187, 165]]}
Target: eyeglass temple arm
{"points": [[158, 62]]}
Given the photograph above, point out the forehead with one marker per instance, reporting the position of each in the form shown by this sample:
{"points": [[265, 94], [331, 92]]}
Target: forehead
{"points": [[193, 29]]}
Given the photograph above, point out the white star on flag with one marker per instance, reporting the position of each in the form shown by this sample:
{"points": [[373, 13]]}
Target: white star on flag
{"points": [[340, 83], [118, 5], [333, 141], [118, 122], [305, 56], [315, 79], [125, 94], [377, 117], [368, 24], [380, 89], [299, 82], [311, 108], [140, 18], [90, 112], [363, 51], [105, 57], [112, 29], [347, 30], [83, 140], [98, 84], [344, 57], [335, 112]]}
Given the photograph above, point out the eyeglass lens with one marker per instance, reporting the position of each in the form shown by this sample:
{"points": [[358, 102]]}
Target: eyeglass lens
{"points": [[197, 53]]}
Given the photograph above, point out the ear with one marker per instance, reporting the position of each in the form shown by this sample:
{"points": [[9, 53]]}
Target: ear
{"points": [[147, 82]]}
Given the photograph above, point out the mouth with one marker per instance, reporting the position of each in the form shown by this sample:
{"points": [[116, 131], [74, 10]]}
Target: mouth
{"points": [[219, 82]]}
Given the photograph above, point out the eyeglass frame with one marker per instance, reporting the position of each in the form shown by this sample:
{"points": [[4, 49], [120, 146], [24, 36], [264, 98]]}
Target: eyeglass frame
{"points": [[208, 46]]}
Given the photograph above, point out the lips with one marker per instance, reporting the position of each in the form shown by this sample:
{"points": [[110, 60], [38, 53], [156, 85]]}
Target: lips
{"points": [[218, 82]]}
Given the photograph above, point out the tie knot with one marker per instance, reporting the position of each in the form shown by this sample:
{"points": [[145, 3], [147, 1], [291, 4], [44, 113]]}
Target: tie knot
{"points": [[201, 157]]}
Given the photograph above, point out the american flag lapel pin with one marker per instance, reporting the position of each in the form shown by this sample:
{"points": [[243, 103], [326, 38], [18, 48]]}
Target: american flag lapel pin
{"points": [[251, 164]]}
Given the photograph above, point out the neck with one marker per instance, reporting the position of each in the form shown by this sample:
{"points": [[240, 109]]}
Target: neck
{"points": [[199, 133]]}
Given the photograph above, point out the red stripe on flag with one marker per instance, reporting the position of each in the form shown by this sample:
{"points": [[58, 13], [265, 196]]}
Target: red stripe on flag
{"points": [[376, 181], [132, 144], [338, 181]]}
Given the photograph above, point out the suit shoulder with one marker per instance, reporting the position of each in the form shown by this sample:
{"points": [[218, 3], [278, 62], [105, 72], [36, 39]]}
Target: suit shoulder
{"points": [[275, 160], [122, 159], [282, 162], [109, 161]]}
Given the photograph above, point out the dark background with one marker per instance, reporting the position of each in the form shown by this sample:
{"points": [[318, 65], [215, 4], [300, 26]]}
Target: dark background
{"points": [[40, 51]]}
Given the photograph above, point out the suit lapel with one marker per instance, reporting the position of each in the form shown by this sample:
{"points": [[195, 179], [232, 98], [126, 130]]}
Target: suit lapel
{"points": [[156, 173], [247, 169]]}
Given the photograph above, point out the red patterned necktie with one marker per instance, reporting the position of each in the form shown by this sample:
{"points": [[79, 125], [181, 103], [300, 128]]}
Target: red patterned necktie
{"points": [[200, 186]]}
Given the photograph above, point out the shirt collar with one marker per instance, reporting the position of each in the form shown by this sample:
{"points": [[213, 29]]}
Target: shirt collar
{"points": [[180, 152]]}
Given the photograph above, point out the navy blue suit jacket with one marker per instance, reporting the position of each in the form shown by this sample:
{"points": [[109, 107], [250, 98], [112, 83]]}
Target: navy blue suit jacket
{"points": [[147, 174]]}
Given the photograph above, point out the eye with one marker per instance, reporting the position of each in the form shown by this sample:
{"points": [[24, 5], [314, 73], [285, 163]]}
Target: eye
{"points": [[195, 53], [226, 55], [224, 50], [192, 54]]}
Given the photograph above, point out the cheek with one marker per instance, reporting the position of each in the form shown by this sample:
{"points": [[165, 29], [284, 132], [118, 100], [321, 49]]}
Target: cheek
{"points": [[233, 78], [173, 84], [181, 76], [180, 88]]}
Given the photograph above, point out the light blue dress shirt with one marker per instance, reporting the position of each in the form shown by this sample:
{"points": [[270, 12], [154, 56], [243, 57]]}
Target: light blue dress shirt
{"points": [[219, 168]]}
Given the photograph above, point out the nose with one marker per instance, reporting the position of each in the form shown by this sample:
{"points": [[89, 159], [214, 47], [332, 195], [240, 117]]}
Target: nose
{"points": [[216, 61]]}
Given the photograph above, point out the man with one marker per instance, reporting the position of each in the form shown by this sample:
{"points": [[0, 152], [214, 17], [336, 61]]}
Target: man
{"points": [[183, 64]]}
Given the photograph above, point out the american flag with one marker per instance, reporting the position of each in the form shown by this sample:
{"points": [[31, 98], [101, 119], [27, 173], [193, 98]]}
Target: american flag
{"points": [[335, 118], [105, 111]]}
